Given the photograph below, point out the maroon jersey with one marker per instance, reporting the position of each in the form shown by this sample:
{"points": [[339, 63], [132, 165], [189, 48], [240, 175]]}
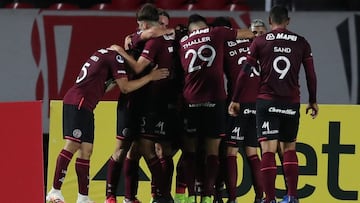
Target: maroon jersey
{"points": [[202, 58], [161, 51], [137, 44], [280, 54], [90, 83], [235, 56]]}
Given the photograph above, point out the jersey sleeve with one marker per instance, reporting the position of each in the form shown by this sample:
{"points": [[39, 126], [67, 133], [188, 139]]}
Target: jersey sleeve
{"points": [[117, 65], [225, 33], [252, 55], [150, 50], [310, 74]]}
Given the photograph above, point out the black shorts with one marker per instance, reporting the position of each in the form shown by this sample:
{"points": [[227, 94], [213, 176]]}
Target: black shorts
{"points": [[127, 123], [78, 124], [160, 126], [205, 119], [241, 130], [277, 120]]}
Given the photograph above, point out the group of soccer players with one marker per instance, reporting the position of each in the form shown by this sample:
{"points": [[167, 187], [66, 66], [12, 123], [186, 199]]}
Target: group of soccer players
{"points": [[173, 96]]}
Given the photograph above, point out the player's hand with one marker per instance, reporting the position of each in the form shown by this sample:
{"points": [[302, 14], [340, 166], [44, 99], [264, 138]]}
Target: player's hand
{"points": [[117, 48], [159, 73], [314, 109], [234, 108], [246, 33]]}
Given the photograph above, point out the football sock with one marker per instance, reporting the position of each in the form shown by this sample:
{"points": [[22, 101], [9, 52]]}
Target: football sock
{"points": [[231, 178], [255, 164], [112, 176], [268, 172], [211, 172], [82, 167], [291, 171], [62, 164]]}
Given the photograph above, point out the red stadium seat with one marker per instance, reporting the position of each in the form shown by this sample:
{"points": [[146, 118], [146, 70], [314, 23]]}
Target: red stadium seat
{"points": [[63, 6], [170, 4], [238, 5], [127, 4], [17, 5], [188, 5], [103, 7], [211, 5]]}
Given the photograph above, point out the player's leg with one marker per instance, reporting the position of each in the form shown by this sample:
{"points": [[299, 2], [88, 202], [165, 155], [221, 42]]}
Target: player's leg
{"points": [[72, 132], [221, 178], [251, 150], [234, 138], [131, 173], [116, 160], [213, 128], [231, 173], [267, 133], [255, 165], [82, 164], [289, 129], [82, 168], [62, 163], [189, 149]]}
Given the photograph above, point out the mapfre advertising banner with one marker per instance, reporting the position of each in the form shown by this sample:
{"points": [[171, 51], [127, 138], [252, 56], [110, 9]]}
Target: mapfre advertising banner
{"points": [[327, 152]]}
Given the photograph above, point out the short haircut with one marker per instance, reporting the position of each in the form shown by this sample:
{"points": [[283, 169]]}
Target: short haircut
{"points": [[221, 21], [162, 12], [257, 23], [279, 14], [148, 12], [194, 18]]}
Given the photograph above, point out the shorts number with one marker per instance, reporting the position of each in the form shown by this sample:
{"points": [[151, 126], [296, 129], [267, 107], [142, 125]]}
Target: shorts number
{"points": [[198, 54], [284, 71]]}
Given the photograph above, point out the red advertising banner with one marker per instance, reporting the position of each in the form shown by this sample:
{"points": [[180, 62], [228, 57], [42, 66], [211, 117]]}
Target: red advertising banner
{"points": [[21, 157]]}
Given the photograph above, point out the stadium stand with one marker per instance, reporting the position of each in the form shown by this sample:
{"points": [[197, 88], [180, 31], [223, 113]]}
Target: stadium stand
{"points": [[19, 5]]}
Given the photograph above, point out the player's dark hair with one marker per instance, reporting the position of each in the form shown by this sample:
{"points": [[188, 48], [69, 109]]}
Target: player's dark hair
{"points": [[194, 18], [162, 12], [148, 12], [221, 21], [279, 14]]}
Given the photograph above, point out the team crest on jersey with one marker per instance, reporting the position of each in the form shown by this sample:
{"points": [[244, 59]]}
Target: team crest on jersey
{"points": [[270, 36], [77, 133], [119, 59], [125, 132]]}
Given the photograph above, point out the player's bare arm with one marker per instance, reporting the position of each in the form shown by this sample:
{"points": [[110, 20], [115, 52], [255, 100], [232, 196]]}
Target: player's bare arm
{"points": [[127, 42], [109, 85], [138, 66], [155, 31], [127, 86], [244, 34], [234, 108]]}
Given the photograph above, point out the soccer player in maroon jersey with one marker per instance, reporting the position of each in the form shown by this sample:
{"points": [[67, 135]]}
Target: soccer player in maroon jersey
{"points": [[159, 110], [280, 53], [78, 118], [128, 117], [201, 54], [241, 130]]}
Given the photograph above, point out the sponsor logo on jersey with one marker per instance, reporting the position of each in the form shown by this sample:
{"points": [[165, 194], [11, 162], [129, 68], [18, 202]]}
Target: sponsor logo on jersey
{"points": [[119, 59], [282, 111]]}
